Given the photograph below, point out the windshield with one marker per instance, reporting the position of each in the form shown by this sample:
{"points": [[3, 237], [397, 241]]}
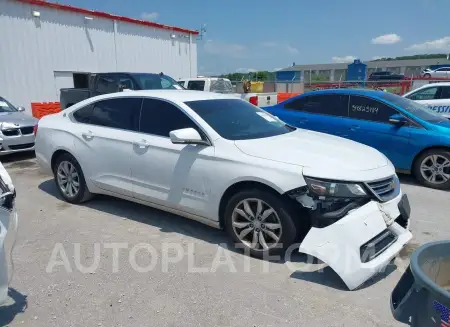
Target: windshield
{"points": [[416, 109], [5, 106], [235, 119], [157, 82]]}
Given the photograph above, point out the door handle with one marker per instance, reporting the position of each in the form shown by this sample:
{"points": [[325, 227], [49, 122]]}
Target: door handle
{"points": [[88, 135], [354, 127], [142, 144]]}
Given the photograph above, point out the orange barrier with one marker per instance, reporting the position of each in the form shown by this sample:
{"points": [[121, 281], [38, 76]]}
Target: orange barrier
{"points": [[284, 96], [41, 109]]}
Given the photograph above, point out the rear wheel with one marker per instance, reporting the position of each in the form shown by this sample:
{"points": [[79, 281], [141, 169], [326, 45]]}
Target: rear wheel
{"points": [[261, 222], [70, 180], [432, 169]]}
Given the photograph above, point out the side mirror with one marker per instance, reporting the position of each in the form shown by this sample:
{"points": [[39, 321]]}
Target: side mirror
{"points": [[20, 109], [398, 119], [186, 136]]}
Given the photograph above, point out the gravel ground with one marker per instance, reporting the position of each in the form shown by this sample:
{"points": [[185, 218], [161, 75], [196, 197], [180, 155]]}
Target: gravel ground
{"points": [[268, 294]]}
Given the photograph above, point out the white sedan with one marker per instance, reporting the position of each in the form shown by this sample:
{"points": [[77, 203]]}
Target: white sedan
{"points": [[226, 163]]}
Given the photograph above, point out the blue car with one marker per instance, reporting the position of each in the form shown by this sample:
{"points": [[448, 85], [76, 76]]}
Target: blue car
{"points": [[414, 138]]}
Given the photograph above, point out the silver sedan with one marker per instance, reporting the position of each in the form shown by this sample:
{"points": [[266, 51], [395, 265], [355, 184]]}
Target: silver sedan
{"points": [[16, 129]]}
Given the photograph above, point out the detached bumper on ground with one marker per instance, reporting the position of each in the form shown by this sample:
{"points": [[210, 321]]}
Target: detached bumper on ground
{"points": [[362, 243]]}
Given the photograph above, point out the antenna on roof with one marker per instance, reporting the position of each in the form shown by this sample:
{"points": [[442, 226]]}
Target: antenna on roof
{"points": [[202, 32]]}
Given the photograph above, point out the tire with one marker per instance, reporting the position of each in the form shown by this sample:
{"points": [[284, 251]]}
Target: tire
{"points": [[437, 162], [427, 75], [64, 163], [281, 216]]}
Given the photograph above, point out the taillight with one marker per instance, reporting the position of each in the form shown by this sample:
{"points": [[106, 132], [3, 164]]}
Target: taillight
{"points": [[35, 129], [254, 100]]}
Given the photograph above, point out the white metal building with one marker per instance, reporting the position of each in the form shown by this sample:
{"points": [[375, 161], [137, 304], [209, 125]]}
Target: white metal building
{"points": [[43, 44]]}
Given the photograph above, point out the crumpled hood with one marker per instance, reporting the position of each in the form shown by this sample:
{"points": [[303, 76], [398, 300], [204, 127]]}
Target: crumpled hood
{"points": [[316, 150], [17, 118]]}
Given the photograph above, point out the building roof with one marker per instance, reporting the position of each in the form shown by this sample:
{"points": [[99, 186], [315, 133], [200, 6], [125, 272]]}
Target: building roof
{"points": [[100, 14], [372, 64]]}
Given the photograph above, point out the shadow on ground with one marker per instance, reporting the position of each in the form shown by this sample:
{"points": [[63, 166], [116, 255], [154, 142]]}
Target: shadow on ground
{"points": [[169, 223], [9, 311]]}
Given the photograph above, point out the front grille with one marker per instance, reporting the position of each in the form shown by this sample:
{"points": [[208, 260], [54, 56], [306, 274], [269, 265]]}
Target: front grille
{"points": [[377, 245], [11, 132], [385, 189], [27, 130], [21, 146]]}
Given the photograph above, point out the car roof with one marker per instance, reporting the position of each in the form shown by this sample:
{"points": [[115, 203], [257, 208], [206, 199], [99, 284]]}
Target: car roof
{"points": [[436, 84], [364, 92], [171, 95]]}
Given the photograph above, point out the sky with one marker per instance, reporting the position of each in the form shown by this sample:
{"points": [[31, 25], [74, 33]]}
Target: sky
{"points": [[251, 35]]}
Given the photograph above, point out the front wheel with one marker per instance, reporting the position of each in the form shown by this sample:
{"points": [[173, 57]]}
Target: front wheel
{"points": [[261, 222], [432, 169], [427, 75]]}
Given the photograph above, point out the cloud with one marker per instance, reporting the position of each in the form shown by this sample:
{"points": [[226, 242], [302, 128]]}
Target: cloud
{"points": [[343, 59], [269, 44], [152, 16], [246, 70], [377, 57], [386, 39], [276, 69], [439, 44], [281, 46], [233, 50], [291, 49]]}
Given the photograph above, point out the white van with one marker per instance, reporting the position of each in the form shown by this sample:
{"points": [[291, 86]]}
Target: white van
{"points": [[435, 96]]}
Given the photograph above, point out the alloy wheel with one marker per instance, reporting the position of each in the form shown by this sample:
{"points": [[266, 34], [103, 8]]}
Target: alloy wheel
{"points": [[68, 179], [435, 169], [256, 224]]}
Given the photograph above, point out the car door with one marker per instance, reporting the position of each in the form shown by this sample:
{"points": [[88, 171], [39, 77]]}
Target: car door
{"points": [[172, 175], [323, 113], [105, 134], [427, 96], [370, 125]]}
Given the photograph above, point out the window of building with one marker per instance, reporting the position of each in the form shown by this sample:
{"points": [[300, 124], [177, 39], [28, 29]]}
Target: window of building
{"points": [[81, 80]]}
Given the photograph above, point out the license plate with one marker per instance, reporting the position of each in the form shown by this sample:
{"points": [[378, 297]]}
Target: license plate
{"points": [[404, 207]]}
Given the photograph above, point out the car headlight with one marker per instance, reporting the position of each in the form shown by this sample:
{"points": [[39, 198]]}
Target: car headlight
{"points": [[335, 189]]}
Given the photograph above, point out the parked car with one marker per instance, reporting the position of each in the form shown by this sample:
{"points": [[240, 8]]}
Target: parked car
{"points": [[104, 83], [226, 163], [223, 85], [415, 139], [435, 96], [8, 231], [16, 129], [442, 72], [385, 76]]}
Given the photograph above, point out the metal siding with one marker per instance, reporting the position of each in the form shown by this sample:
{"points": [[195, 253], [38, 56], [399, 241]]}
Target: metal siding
{"points": [[66, 42]]}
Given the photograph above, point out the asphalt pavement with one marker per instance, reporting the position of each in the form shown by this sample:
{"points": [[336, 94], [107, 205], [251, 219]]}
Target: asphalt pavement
{"points": [[186, 276]]}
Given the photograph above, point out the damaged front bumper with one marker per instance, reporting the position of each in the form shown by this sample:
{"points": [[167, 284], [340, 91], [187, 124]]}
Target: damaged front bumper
{"points": [[364, 241]]}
